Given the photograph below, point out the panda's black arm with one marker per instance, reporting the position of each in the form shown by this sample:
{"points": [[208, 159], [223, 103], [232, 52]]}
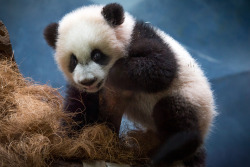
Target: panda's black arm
{"points": [[84, 105], [178, 129], [150, 67]]}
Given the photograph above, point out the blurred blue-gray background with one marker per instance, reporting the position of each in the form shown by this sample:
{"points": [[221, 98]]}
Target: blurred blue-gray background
{"points": [[216, 33]]}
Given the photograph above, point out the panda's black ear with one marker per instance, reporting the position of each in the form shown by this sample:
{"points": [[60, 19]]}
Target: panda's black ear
{"points": [[50, 34], [113, 14]]}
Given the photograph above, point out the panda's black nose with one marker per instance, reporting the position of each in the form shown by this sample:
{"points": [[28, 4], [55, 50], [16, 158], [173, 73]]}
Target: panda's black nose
{"points": [[88, 82]]}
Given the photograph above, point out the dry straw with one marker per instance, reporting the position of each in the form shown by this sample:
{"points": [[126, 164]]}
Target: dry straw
{"points": [[31, 133]]}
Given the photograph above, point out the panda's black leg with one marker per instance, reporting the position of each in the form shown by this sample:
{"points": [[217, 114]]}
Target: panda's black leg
{"points": [[150, 66], [178, 129], [111, 110], [84, 105], [112, 118], [198, 159]]}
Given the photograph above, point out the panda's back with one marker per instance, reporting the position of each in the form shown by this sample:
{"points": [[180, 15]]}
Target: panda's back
{"points": [[189, 85]]}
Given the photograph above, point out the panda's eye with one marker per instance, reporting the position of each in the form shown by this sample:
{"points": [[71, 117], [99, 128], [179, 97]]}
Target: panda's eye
{"points": [[98, 57], [73, 62]]}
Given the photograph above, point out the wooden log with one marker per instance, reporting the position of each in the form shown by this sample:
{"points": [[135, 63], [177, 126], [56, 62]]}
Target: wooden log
{"points": [[5, 45]]}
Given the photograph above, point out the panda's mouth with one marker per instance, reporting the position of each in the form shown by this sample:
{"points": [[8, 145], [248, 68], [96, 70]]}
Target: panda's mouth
{"points": [[95, 87]]}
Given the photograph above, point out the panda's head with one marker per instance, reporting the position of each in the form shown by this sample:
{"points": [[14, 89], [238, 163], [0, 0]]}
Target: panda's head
{"points": [[88, 41]]}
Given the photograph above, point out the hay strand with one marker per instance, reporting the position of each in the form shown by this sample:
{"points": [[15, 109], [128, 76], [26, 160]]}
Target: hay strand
{"points": [[31, 133]]}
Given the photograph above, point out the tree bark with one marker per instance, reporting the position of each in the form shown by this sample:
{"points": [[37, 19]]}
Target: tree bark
{"points": [[5, 45]]}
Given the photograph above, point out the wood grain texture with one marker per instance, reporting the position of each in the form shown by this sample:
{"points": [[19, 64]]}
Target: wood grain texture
{"points": [[5, 45]]}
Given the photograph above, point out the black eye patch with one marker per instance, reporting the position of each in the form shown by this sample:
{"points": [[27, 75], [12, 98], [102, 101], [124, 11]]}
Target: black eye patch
{"points": [[99, 57], [73, 62]]}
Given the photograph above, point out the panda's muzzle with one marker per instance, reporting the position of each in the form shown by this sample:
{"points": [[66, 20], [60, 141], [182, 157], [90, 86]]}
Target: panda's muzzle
{"points": [[88, 82]]}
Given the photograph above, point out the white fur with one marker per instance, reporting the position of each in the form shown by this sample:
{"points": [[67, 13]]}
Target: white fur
{"points": [[191, 84], [84, 30]]}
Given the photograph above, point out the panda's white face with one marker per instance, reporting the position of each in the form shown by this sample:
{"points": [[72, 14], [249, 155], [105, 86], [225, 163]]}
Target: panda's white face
{"points": [[87, 47]]}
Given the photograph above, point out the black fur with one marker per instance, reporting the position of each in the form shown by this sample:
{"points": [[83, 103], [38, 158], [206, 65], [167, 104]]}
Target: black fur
{"points": [[100, 83], [99, 57], [73, 62], [150, 66], [85, 105], [178, 129], [198, 159], [113, 14], [50, 34]]}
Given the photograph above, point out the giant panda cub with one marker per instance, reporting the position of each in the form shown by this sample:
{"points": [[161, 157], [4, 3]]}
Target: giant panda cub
{"points": [[115, 64]]}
